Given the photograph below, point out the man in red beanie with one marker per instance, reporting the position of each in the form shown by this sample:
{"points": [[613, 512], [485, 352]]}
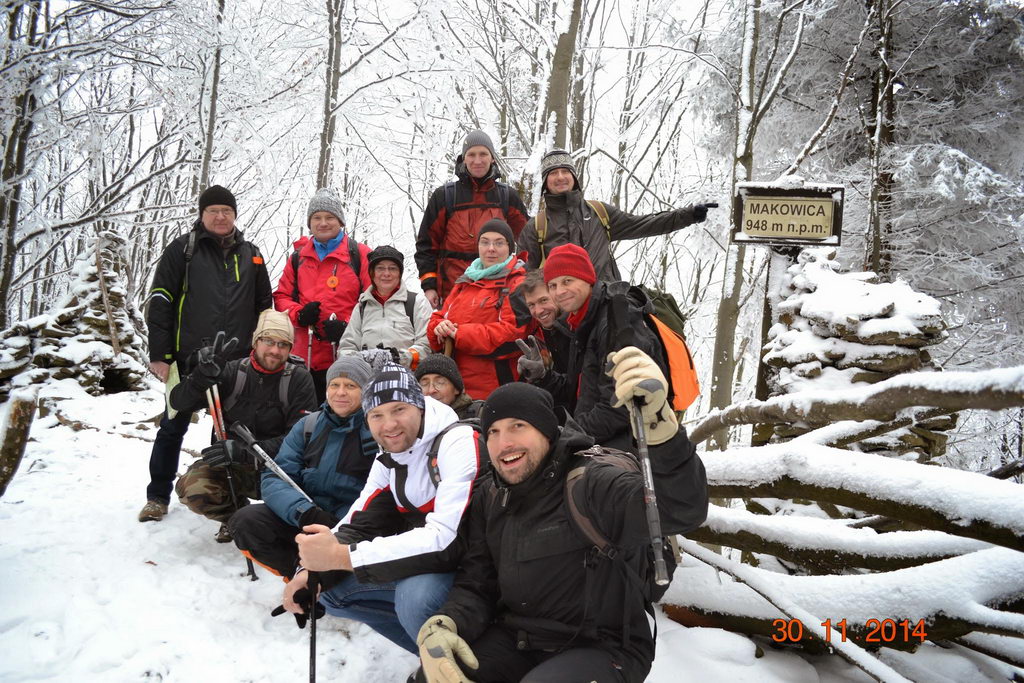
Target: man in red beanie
{"points": [[592, 332]]}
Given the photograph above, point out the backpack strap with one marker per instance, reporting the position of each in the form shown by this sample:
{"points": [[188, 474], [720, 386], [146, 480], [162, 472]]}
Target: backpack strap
{"points": [[449, 200], [282, 385], [354, 260], [295, 274], [503, 197], [308, 425], [602, 215], [190, 249], [410, 306], [236, 391], [435, 447], [540, 222]]}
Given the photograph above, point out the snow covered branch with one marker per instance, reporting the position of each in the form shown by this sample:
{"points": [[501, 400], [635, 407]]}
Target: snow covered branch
{"points": [[952, 391]]}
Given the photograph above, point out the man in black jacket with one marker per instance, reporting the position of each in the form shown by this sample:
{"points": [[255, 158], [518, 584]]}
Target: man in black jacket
{"points": [[532, 601], [265, 392], [581, 341], [208, 280], [565, 217]]}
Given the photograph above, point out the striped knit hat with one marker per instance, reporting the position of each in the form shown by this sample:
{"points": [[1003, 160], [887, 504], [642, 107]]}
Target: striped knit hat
{"points": [[392, 383], [558, 158]]}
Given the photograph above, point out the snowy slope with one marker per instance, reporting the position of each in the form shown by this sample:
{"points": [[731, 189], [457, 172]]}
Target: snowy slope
{"points": [[89, 594]]}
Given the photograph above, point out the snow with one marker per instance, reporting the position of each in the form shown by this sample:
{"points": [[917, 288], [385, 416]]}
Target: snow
{"points": [[90, 594]]}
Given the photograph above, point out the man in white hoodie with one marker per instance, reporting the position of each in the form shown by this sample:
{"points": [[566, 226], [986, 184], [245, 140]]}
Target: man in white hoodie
{"points": [[398, 544]]}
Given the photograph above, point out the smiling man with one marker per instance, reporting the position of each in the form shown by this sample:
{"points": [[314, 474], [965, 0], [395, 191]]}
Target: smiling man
{"points": [[566, 217], [447, 239], [531, 600], [580, 344], [398, 543], [264, 392]]}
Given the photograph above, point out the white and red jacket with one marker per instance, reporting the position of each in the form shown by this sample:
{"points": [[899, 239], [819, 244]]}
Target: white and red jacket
{"points": [[401, 524], [332, 282]]}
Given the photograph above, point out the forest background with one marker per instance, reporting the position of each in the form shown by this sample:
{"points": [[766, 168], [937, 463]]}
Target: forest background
{"points": [[115, 115]]}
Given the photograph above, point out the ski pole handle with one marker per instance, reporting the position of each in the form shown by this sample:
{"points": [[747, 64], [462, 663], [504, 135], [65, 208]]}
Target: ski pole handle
{"points": [[650, 499], [242, 431]]}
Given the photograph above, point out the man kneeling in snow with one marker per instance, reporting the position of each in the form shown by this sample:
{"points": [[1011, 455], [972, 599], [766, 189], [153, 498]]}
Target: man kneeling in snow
{"points": [[398, 543], [265, 392], [533, 600]]}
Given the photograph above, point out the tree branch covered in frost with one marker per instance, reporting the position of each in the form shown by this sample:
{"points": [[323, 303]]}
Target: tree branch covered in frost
{"points": [[951, 391]]}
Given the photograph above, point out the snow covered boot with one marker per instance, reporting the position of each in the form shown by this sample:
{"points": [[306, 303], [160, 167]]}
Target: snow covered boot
{"points": [[224, 534], [153, 511]]}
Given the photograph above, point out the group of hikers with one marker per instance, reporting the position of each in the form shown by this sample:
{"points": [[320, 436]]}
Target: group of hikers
{"points": [[455, 467]]}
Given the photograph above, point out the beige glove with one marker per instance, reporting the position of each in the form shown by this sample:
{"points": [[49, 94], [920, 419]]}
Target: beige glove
{"points": [[637, 376], [440, 644]]}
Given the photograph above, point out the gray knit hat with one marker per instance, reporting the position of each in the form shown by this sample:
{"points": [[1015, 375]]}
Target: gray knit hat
{"points": [[558, 158], [350, 367], [476, 138], [327, 200], [392, 383], [440, 364]]}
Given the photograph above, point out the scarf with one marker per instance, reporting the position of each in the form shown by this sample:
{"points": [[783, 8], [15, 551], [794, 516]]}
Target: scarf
{"points": [[476, 270]]}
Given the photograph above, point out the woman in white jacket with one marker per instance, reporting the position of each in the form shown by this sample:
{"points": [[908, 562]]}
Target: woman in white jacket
{"points": [[388, 323]]}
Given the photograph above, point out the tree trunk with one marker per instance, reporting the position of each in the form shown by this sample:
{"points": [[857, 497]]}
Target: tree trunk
{"points": [[332, 78], [21, 410], [211, 121], [562, 76], [882, 136], [723, 360]]}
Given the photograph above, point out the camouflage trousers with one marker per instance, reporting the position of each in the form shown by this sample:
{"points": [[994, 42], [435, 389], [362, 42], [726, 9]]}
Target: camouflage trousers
{"points": [[204, 489]]}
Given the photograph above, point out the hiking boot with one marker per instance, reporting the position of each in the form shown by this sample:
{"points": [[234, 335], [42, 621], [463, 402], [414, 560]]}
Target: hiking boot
{"points": [[224, 534], [153, 511]]}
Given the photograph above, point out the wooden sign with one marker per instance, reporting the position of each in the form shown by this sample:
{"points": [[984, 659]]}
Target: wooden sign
{"points": [[798, 213]]}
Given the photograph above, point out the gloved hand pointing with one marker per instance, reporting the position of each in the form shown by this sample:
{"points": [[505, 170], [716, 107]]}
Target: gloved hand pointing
{"points": [[700, 211]]}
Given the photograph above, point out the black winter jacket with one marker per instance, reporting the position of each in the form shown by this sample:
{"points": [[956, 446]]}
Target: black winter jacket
{"points": [[226, 291], [258, 406], [524, 565], [584, 389], [570, 220]]}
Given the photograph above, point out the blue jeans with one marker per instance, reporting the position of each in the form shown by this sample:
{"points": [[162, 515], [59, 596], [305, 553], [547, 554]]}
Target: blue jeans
{"points": [[163, 461], [395, 610]]}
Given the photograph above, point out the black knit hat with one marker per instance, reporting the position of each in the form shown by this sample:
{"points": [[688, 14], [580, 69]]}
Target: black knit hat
{"points": [[524, 402], [215, 194], [558, 158], [501, 227], [392, 383], [440, 364], [386, 253]]}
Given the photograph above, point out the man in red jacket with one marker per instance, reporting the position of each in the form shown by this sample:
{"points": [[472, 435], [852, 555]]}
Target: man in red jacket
{"points": [[447, 239], [325, 275]]}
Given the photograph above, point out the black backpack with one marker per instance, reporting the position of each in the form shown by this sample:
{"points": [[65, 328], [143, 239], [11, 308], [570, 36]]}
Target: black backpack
{"points": [[240, 377], [354, 260], [601, 544], [410, 307]]}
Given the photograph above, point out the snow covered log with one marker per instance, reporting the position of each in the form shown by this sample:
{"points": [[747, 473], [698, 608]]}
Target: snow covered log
{"points": [[953, 501], [828, 546], [973, 593], [952, 391], [21, 410]]}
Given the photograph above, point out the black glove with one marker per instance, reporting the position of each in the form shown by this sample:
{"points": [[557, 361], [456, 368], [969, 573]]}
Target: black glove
{"points": [[334, 329], [310, 314], [224, 453], [302, 597], [395, 355], [700, 211], [210, 360], [317, 515]]}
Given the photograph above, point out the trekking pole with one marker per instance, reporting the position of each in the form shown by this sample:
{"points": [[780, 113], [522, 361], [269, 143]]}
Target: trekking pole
{"points": [[242, 431], [313, 584], [213, 400], [650, 499], [309, 348], [334, 345]]}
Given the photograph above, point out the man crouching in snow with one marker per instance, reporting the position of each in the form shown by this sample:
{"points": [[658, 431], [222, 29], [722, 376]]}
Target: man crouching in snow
{"points": [[398, 541], [533, 601]]}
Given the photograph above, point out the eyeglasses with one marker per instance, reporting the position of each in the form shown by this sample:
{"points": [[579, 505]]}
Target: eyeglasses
{"points": [[219, 212], [273, 342], [438, 383], [387, 269], [497, 244]]}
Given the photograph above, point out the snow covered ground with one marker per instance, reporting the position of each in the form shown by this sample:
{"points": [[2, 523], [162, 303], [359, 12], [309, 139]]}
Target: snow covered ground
{"points": [[89, 594]]}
